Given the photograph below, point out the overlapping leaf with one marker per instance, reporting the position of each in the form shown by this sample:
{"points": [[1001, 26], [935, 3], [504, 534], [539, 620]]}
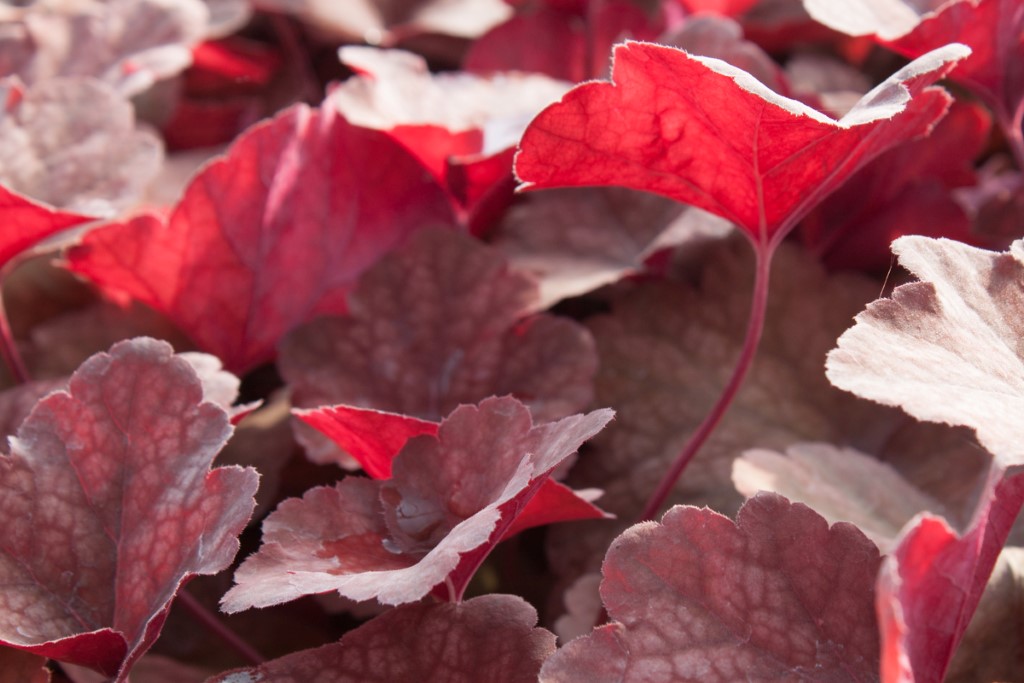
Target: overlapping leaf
{"points": [[705, 133], [109, 505], [776, 596], [576, 240], [490, 638], [907, 190], [840, 484], [451, 498], [375, 437], [271, 235], [945, 349], [440, 322], [25, 222], [126, 43], [73, 143], [993, 29]]}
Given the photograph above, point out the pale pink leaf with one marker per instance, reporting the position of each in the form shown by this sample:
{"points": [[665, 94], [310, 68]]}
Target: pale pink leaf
{"points": [[946, 349], [128, 44], [74, 144]]}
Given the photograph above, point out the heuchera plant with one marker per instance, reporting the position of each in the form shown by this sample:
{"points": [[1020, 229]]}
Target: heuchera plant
{"points": [[433, 341]]}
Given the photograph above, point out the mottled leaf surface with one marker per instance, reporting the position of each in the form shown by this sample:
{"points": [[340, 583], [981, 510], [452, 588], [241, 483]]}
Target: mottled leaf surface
{"points": [[74, 144], [269, 236], [776, 596], [703, 132], [110, 505], [451, 498], [128, 44], [441, 322], [491, 638]]}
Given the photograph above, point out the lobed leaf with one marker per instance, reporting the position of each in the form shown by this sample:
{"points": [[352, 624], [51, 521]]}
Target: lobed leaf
{"points": [[776, 596], [451, 498], [703, 132], [491, 638], [110, 506], [441, 322]]}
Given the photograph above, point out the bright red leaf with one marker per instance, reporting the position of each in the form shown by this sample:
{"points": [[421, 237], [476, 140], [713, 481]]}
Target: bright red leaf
{"points": [[451, 498], [372, 437], [491, 638], [729, 8], [271, 235], [705, 133], [25, 222], [109, 505], [930, 586], [776, 596]]}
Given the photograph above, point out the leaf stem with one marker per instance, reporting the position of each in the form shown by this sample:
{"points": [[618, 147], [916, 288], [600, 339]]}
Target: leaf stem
{"points": [[755, 326], [8, 346], [217, 627]]}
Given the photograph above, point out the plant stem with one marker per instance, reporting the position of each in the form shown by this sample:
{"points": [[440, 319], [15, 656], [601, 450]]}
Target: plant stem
{"points": [[8, 346], [755, 326], [219, 628]]}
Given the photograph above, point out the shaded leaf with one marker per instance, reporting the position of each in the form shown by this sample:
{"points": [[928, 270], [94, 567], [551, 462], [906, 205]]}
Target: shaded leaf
{"points": [[490, 638], [840, 484], [776, 596], [576, 240], [110, 505], [460, 333]]}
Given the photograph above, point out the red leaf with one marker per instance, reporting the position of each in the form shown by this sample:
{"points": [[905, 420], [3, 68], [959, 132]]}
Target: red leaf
{"points": [[270, 236], [929, 588], [776, 596], [705, 133], [491, 638], [907, 190], [372, 437], [993, 29], [730, 8], [450, 500], [109, 506], [26, 222], [22, 667]]}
